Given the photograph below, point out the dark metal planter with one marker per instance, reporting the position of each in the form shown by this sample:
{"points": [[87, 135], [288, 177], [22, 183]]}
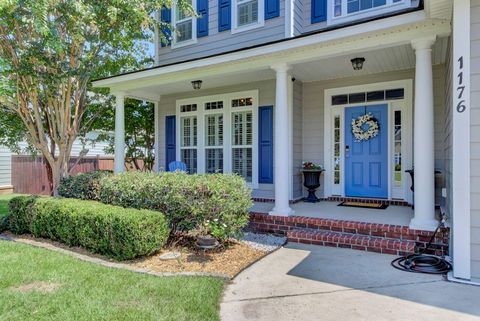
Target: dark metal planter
{"points": [[311, 180]]}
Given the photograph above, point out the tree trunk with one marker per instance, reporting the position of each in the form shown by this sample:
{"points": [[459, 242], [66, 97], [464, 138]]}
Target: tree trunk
{"points": [[49, 175]]}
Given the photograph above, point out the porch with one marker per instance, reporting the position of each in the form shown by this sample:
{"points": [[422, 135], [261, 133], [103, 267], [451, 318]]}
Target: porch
{"points": [[326, 223], [392, 215]]}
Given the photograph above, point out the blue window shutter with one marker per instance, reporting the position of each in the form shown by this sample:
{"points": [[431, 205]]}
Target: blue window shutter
{"points": [[202, 21], [170, 140], [224, 14], [272, 9], [319, 10], [166, 16], [265, 144]]}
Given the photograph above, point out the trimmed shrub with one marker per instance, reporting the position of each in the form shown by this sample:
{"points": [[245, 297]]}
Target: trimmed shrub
{"points": [[84, 186], [188, 201], [109, 230]]}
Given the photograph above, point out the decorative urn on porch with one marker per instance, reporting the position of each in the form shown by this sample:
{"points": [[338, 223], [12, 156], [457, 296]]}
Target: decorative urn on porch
{"points": [[311, 180]]}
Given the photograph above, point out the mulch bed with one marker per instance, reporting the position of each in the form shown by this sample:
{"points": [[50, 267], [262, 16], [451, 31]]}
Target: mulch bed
{"points": [[230, 260]]}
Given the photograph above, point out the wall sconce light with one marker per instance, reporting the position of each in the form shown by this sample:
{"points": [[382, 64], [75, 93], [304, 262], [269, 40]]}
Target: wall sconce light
{"points": [[357, 63], [197, 84]]}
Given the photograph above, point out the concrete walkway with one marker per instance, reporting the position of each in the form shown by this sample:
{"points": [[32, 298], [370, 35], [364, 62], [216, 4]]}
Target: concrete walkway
{"points": [[302, 282]]}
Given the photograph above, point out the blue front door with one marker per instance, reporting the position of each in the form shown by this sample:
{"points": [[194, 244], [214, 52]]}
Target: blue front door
{"points": [[366, 162]]}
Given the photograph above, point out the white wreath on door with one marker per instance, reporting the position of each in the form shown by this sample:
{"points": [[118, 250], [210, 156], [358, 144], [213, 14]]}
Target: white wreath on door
{"points": [[357, 127]]}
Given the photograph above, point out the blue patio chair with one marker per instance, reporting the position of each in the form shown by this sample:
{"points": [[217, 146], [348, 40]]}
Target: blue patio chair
{"points": [[177, 166]]}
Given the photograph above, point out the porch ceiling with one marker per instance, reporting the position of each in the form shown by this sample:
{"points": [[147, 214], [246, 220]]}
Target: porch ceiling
{"points": [[376, 61]]}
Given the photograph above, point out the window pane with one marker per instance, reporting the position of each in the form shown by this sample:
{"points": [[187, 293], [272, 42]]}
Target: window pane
{"points": [[394, 93], [339, 100], [214, 130], [188, 131], [376, 95], [189, 157], [184, 30], [214, 160], [356, 98], [242, 128], [242, 162], [247, 13], [353, 6]]}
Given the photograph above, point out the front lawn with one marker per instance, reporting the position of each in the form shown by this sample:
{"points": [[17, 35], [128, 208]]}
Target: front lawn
{"points": [[38, 284], [4, 199]]}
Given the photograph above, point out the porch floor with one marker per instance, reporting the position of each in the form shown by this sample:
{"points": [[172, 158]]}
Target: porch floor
{"points": [[393, 215]]}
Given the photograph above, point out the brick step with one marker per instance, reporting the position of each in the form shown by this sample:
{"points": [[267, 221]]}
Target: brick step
{"points": [[265, 223], [351, 241]]}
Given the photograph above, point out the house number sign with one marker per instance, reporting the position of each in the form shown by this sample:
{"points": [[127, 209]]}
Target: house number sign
{"points": [[461, 87]]}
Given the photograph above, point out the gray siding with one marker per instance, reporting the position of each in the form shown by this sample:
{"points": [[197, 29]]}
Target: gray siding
{"points": [[266, 98], [297, 138], [307, 21], [313, 113], [217, 42], [298, 10], [447, 138], [475, 138]]}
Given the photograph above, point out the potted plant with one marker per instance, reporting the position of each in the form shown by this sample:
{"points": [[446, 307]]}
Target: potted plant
{"points": [[203, 236], [311, 180]]}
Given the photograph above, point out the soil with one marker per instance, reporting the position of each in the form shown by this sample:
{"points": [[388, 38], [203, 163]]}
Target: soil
{"points": [[38, 286]]}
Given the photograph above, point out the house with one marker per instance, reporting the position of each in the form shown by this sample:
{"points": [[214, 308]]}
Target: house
{"points": [[279, 82], [6, 168]]}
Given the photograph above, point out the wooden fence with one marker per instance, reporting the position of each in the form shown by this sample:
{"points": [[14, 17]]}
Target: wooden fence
{"points": [[29, 174]]}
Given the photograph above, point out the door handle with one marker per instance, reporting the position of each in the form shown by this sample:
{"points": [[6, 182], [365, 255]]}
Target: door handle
{"points": [[347, 150]]}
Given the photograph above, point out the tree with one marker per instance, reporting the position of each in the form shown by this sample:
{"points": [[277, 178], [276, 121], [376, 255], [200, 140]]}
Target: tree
{"points": [[50, 50], [139, 133]]}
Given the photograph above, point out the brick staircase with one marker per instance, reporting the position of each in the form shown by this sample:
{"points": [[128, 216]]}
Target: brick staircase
{"points": [[372, 237]]}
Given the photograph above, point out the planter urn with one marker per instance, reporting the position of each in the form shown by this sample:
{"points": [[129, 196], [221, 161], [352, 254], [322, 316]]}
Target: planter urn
{"points": [[206, 242], [311, 180]]}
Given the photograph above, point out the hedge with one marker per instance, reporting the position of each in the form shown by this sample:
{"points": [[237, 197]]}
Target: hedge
{"points": [[109, 230], [85, 186], [188, 201]]}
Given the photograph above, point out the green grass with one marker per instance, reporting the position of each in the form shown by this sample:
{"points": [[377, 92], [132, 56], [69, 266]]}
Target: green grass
{"points": [[91, 292], [4, 199]]}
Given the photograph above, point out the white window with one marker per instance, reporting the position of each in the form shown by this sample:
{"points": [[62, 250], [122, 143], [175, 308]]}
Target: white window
{"points": [[348, 10], [185, 27], [189, 141], [247, 14], [242, 140], [226, 131], [213, 143]]}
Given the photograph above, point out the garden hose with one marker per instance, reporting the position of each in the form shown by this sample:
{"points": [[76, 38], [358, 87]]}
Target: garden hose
{"points": [[424, 263]]}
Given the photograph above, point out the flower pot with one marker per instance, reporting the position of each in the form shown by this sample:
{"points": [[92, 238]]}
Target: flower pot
{"points": [[311, 180], [206, 242]]}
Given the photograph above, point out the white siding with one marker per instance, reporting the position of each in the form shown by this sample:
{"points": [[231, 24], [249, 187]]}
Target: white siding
{"points": [[167, 107], [5, 168], [218, 42], [313, 113], [475, 138]]}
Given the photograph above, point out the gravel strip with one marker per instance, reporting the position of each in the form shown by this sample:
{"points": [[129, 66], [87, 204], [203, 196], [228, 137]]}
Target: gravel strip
{"points": [[263, 242]]}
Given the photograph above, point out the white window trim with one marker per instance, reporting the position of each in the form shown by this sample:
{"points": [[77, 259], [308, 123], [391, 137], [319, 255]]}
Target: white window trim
{"points": [[407, 136], [258, 24], [227, 128], [175, 43], [348, 17]]}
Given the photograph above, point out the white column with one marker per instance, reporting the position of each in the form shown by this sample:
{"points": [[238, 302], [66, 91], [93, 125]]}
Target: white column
{"points": [[281, 140], [156, 166], [119, 132], [423, 140]]}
